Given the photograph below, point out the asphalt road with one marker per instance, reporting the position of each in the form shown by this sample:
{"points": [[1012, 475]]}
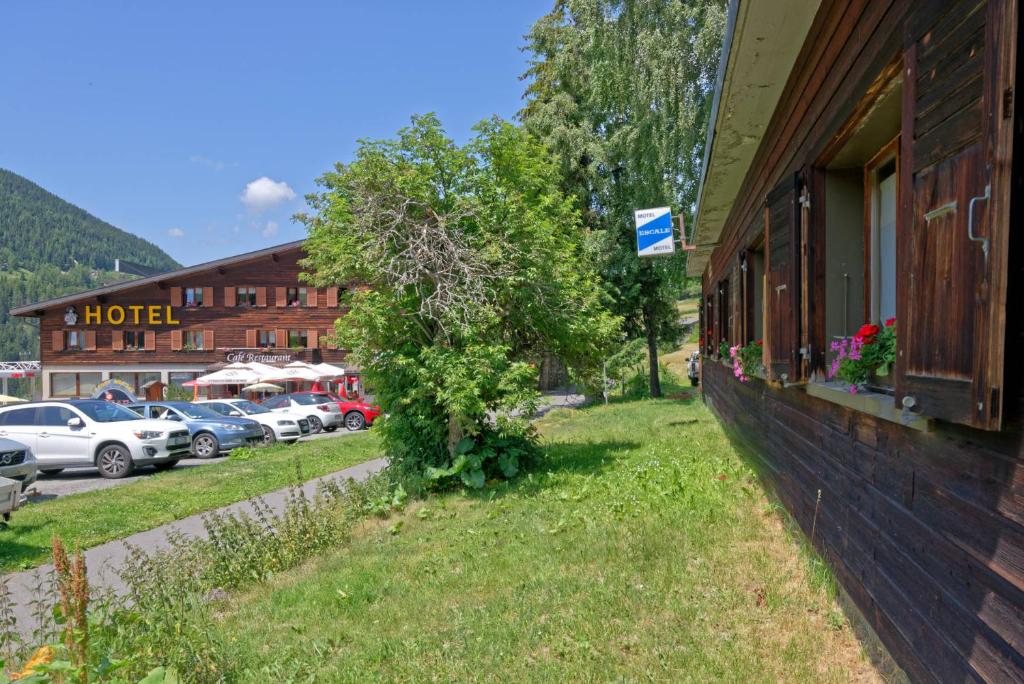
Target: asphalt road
{"points": [[88, 479]]}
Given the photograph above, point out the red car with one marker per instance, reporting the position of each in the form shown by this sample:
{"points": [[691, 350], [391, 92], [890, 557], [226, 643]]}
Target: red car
{"points": [[357, 414]]}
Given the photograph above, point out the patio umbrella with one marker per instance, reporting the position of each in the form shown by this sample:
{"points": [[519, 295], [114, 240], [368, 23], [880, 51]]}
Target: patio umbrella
{"points": [[8, 399], [327, 370], [263, 387]]}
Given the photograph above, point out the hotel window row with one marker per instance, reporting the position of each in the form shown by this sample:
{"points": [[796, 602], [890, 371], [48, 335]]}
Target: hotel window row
{"points": [[253, 296], [187, 340]]}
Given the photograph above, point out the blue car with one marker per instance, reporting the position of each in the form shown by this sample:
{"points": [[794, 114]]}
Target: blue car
{"points": [[212, 434]]}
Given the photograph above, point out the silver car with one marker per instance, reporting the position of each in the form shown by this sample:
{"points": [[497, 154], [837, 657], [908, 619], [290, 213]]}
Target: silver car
{"points": [[17, 462]]}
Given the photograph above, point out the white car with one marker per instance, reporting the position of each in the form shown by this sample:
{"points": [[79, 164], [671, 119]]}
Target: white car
{"points": [[90, 433], [277, 426], [322, 415]]}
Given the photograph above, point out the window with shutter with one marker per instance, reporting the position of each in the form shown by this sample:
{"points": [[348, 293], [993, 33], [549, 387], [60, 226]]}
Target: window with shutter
{"points": [[782, 231], [175, 296], [752, 276], [312, 339], [250, 338], [230, 298], [207, 296], [709, 321], [332, 298], [176, 343], [311, 297], [57, 340], [953, 233], [208, 341], [280, 296], [261, 296], [150, 340]]}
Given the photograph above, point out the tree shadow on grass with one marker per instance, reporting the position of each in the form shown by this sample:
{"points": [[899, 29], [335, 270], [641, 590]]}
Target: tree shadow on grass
{"points": [[590, 458]]}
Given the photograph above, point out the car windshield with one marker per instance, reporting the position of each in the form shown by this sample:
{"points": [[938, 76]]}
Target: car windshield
{"points": [[310, 399], [197, 412], [106, 412], [249, 407]]}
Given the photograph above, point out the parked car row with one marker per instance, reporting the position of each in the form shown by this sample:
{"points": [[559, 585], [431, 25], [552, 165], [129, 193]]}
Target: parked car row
{"points": [[49, 436]]}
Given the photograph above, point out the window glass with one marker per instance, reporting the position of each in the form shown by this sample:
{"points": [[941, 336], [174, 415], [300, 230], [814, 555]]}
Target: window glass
{"points": [[63, 385], [250, 407], [197, 411], [105, 411], [308, 399], [22, 416], [297, 338], [275, 402], [87, 383], [134, 340], [296, 296], [192, 340], [193, 296], [245, 296], [884, 285], [54, 416], [74, 340], [267, 338], [222, 409]]}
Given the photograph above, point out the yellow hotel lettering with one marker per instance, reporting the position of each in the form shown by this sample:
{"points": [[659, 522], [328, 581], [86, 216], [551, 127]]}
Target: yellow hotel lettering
{"points": [[133, 314]]}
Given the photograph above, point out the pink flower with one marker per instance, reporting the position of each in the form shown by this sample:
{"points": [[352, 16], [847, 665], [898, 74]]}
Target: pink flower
{"points": [[853, 389]]}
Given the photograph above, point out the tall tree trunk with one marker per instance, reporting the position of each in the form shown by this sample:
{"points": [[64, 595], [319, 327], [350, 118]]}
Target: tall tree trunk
{"points": [[652, 351], [455, 433]]}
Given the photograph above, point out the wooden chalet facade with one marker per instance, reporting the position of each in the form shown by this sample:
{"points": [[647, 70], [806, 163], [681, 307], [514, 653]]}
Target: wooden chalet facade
{"points": [[863, 164], [175, 326]]}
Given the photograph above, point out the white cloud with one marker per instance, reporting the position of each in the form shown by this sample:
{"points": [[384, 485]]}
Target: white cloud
{"points": [[264, 193], [269, 230], [176, 232]]}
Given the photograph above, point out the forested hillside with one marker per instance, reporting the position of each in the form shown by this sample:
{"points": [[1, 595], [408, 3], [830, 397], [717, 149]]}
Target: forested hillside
{"points": [[38, 228], [48, 248]]}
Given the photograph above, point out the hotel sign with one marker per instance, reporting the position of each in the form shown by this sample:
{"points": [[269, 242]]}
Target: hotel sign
{"points": [[261, 355], [132, 314]]}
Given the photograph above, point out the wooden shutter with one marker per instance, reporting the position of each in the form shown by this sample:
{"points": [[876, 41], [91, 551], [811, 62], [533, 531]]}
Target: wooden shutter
{"points": [[782, 297], [332, 298], [57, 340], [709, 331], [281, 339], [250, 338], [261, 296], [230, 296], [209, 344], [312, 341], [176, 340], [208, 296], [311, 298], [281, 297], [117, 340], [90, 340], [175, 296], [955, 158], [150, 340]]}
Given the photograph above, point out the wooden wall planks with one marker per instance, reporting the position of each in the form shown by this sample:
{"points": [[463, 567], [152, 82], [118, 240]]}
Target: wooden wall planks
{"points": [[923, 530]]}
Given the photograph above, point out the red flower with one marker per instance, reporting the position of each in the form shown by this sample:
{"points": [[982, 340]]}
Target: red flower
{"points": [[891, 322], [867, 333], [760, 343]]}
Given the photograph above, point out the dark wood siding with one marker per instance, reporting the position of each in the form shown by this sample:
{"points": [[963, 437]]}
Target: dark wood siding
{"points": [[926, 533], [220, 319]]}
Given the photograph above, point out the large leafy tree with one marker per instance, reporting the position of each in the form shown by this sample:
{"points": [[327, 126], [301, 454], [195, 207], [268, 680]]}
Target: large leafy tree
{"points": [[620, 91], [463, 265]]}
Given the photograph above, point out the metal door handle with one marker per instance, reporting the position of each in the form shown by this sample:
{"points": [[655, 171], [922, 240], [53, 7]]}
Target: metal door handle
{"points": [[970, 220], [44, 434]]}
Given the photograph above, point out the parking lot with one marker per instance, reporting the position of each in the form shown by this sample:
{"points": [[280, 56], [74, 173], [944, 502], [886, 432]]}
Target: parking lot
{"points": [[74, 481]]}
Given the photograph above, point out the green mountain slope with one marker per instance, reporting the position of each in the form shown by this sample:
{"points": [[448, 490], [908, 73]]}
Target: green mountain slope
{"points": [[49, 248], [38, 228]]}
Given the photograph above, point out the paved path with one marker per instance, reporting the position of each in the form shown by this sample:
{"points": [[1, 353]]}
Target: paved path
{"points": [[76, 480], [106, 560]]}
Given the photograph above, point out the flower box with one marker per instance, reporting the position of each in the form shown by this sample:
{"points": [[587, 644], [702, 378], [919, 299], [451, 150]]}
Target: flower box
{"points": [[874, 403]]}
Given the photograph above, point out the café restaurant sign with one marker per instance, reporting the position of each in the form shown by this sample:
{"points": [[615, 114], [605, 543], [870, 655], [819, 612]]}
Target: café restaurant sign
{"points": [[132, 314], [261, 355]]}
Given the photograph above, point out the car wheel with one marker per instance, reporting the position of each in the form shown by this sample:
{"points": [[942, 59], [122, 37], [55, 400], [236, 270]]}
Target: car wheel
{"points": [[166, 465], [268, 435], [205, 445], [114, 461], [52, 471], [354, 420], [316, 426]]}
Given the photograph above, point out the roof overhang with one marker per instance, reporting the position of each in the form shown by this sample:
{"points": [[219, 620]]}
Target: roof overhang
{"points": [[761, 45], [38, 308]]}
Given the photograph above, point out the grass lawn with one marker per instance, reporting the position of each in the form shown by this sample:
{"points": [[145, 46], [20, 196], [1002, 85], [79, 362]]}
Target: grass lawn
{"points": [[91, 518], [643, 549]]}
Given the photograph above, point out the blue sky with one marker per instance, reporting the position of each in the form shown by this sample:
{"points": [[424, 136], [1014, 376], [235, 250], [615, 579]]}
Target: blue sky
{"points": [[157, 117]]}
